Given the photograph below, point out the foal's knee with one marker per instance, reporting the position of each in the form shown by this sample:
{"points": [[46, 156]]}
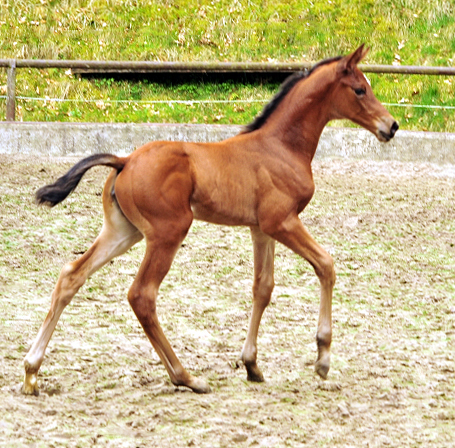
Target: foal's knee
{"points": [[263, 288]]}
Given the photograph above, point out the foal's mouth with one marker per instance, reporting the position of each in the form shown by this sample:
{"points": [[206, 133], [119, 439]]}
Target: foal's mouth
{"points": [[384, 137], [387, 136]]}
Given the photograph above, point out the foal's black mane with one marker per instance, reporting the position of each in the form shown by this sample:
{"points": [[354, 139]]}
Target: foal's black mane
{"points": [[285, 88]]}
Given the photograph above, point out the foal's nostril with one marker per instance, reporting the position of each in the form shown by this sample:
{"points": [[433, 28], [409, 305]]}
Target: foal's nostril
{"points": [[394, 128]]}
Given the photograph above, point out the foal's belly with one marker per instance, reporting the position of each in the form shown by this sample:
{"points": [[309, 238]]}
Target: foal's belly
{"points": [[234, 213]]}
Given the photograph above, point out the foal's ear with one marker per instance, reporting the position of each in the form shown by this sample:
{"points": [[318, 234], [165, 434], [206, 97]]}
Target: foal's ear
{"points": [[349, 62]]}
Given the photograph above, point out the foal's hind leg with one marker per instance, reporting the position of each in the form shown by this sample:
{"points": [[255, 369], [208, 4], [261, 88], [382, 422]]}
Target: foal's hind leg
{"points": [[161, 249], [116, 237], [264, 252]]}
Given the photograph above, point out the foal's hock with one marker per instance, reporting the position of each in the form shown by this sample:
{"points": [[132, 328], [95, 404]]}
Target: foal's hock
{"points": [[260, 178]]}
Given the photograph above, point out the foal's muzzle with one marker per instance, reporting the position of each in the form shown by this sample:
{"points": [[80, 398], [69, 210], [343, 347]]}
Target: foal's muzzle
{"points": [[386, 133]]}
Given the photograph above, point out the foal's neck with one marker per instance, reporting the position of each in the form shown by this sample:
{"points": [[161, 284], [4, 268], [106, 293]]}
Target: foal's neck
{"points": [[299, 121]]}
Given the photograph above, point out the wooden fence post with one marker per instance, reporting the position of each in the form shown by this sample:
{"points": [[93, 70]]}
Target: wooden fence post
{"points": [[11, 91]]}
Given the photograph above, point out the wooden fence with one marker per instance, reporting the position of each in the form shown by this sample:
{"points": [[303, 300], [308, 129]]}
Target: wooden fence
{"points": [[184, 67]]}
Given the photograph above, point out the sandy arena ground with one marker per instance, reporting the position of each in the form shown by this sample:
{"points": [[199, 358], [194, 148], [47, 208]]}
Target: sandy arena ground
{"points": [[391, 230]]}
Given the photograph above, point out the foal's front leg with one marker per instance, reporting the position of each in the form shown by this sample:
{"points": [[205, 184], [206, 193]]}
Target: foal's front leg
{"points": [[294, 235], [264, 252]]}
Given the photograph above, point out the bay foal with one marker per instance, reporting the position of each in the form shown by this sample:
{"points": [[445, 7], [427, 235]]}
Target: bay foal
{"points": [[260, 178]]}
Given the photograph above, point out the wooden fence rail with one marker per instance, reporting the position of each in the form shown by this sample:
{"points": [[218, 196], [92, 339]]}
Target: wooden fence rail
{"points": [[184, 67]]}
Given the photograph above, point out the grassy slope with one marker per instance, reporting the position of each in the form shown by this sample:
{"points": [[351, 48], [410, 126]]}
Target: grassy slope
{"points": [[409, 32]]}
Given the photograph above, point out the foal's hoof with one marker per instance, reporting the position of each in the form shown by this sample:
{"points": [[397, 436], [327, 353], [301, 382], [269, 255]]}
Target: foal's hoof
{"points": [[322, 369], [254, 374], [30, 386], [199, 386], [255, 378]]}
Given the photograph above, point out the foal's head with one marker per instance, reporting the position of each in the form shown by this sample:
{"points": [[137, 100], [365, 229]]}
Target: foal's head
{"points": [[352, 98]]}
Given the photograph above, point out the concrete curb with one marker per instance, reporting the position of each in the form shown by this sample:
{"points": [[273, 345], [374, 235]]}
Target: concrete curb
{"points": [[80, 139]]}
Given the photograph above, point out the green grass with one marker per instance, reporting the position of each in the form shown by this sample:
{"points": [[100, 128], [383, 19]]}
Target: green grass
{"points": [[406, 32]]}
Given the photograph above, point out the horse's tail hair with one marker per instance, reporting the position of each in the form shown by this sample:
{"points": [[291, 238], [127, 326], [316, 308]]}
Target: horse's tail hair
{"points": [[55, 193]]}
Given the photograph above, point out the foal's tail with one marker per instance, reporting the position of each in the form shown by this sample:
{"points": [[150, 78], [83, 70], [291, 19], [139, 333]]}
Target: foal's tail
{"points": [[55, 193]]}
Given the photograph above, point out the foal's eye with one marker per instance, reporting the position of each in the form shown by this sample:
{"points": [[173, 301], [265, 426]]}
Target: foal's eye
{"points": [[360, 91]]}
